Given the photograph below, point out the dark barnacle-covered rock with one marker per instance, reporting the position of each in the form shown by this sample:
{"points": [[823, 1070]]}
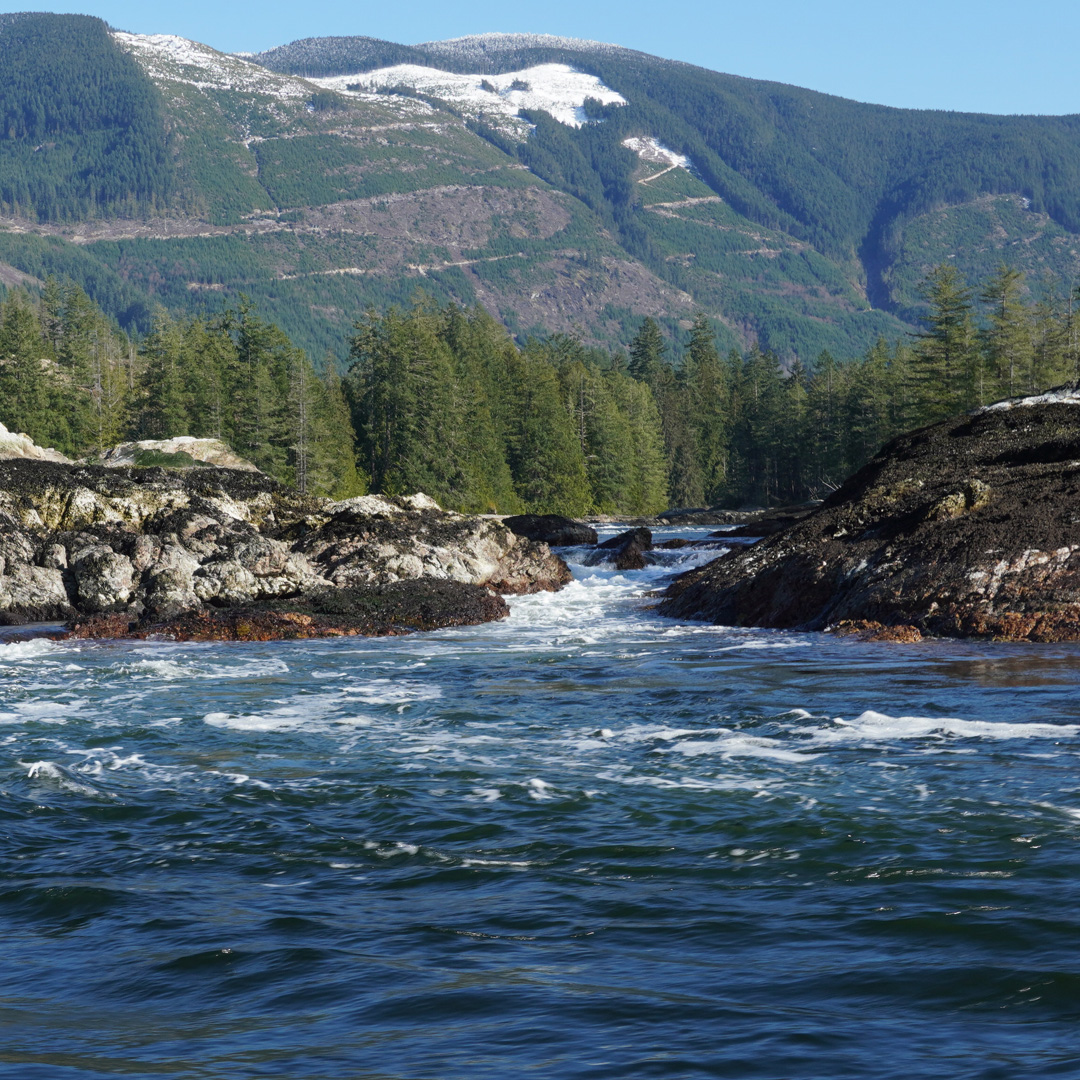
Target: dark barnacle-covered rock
{"points": [[551, 529], [967, 528], [400, 607], [625, 551]]}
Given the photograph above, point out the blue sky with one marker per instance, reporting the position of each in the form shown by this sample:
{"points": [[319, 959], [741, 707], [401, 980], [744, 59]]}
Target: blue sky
{"points": [[953, 54]]}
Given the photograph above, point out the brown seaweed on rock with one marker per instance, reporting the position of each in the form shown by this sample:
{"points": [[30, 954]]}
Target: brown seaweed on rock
{"points": [[401, 607]]}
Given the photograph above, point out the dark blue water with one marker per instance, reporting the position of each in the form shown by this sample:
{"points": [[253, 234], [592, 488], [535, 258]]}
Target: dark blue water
{"points": [[585, 842]]}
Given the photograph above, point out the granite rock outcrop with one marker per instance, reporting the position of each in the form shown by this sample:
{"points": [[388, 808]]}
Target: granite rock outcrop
{"points": [[151, 544]]}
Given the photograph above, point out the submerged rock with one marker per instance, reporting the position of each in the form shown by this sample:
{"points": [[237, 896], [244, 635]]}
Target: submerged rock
{"points": [[551, 529], [967, 528], [153, 544]]}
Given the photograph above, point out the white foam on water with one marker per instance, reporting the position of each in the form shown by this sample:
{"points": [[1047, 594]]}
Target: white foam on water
{"points": [[756, 643], [693, 783], [157, 669], [283, 719], [539, 789], [399, 847], [330, 711], [1069, 811], [239, 779], [34, 649], [43, 712], [513, 864], [55, 776], [874, 727], [734, 746], [484, 795], [392, 692], [250, 669]]}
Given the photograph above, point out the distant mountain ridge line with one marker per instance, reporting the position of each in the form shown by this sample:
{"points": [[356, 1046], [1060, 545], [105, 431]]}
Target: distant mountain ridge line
{"points": [[498, 53], [482, 54]]}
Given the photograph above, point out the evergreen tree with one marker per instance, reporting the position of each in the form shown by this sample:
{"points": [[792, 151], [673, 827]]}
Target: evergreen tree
{"points": [[258, 423], [648, 492], [332, 469], [708, 408], [1050, 362], [867, 410], [648, 351], [1008, 335], [163, 413], [545, 455], [78, 360], [945, 361], [23, 392], [825, 412]]}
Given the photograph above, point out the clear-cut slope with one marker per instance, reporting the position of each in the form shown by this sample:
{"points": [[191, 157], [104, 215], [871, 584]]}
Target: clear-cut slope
{"points": [[627, 186]]}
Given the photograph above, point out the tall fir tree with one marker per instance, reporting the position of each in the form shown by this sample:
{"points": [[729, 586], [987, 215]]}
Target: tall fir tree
{"points": [[1008, 336], [945, 362]]}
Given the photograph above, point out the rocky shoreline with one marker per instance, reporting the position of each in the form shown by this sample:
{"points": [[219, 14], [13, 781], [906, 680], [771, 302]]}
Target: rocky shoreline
{"points": [[968, 528], [211, 553]]}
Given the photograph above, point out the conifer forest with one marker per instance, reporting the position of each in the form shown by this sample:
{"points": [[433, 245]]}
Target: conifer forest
{"points": [[441, 399]]}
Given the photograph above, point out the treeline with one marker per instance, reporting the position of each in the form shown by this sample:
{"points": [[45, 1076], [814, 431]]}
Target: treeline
{"points": [[444, 402], [440, 399], [71, 380], [742, 429]]}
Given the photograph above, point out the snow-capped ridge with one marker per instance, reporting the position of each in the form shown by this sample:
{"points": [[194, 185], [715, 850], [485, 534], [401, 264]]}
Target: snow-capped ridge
{"points": [[554, 88], [172, 58], [484, 44]]}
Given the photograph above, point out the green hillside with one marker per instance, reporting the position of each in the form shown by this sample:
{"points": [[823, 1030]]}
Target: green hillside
{"points": [[156, 171], [81, 127]]}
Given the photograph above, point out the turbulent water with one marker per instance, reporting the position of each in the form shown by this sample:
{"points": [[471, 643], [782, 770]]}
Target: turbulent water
{"points": [[583, 842]]}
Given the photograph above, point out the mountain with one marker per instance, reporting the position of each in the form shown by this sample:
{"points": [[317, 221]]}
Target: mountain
{"points": [[569, 186]]}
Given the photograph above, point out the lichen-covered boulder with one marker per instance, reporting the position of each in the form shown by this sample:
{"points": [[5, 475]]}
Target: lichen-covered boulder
{"points": [[376, 540], [103, 579]]}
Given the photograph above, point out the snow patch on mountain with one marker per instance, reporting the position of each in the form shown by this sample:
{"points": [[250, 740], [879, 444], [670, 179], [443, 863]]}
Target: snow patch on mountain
{"points": [[170, 58], [655, 153], [554, 88]]}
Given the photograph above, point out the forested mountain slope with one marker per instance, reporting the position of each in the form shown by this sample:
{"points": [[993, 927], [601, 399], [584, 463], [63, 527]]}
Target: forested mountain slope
{"points": [[568, 186]]}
